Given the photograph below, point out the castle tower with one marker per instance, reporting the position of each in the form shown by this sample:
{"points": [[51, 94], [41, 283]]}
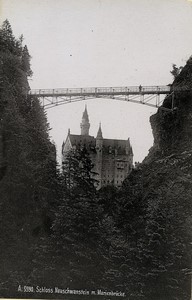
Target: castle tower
{"points": [[85, 125], [99, 157], [99, 139], [99, 133], [129, 152]]}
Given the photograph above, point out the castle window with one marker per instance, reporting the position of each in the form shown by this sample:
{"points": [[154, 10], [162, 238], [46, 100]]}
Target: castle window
{"points": [[110, 149]]}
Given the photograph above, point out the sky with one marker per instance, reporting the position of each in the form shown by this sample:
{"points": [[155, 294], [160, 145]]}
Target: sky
{"points": [[93, 43]]}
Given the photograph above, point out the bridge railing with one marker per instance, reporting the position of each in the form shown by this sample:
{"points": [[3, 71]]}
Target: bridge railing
{"points": [[100, 90], [155, 88]]}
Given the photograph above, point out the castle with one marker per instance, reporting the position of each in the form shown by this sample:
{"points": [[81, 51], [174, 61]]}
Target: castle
{"points": [[112, 159]]}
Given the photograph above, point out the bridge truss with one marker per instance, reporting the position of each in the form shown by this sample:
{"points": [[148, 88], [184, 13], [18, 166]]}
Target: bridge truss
{"points": [[145, 95]]}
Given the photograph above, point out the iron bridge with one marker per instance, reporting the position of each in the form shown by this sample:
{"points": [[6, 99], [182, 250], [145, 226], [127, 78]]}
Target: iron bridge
{"points": [[145, 95]]}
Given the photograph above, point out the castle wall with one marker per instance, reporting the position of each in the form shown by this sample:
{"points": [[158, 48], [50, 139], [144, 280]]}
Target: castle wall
{"points": [[111, 169], [115, 169]]}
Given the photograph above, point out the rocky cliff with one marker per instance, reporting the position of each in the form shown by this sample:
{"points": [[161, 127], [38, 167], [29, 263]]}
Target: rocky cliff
{"points": [[167, 189], [172, 129]]}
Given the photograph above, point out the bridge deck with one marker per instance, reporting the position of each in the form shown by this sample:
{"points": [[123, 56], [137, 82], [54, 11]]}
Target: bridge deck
{"points": [[149, 95], [101, 91]]}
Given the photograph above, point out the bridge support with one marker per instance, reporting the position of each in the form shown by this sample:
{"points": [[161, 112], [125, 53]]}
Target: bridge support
{"points": [[147, 95], [157, 100]]}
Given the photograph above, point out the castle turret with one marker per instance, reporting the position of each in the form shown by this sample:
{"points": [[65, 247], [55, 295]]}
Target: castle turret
{"points": [[99, 139], [99, 133], [85, 125], [99, 146]]}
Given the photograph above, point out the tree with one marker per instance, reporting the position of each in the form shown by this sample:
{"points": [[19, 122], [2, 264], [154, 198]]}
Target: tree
{"points": [[7, 40], [175, 70], [77, 170], [76, 229], [26, 61], [29, 180]]}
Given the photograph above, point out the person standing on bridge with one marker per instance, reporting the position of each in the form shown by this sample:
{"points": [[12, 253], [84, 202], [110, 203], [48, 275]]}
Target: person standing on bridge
{"points": [[140, 88]]}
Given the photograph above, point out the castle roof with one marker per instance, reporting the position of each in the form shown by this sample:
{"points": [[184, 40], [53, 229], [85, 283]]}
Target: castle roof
{"points": [[113, 144], [83, 141], [76, 139], [85, 114], [108, 145], [99, 133]]}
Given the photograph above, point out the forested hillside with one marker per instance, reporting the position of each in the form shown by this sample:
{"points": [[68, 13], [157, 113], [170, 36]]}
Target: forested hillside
{"points": [[57, 230], [27, 165]]}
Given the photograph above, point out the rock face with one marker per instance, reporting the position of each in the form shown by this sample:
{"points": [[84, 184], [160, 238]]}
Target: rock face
{"points": [[167, 176], [172, 130]]}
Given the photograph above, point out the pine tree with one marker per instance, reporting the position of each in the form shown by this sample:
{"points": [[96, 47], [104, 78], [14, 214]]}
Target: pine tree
{"points": [[7, 40], [26, 61], [29, 180], [77, 170], [175, 71], [76, 229]]}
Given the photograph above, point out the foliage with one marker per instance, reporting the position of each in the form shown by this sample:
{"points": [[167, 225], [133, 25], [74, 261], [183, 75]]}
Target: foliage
{"points": [[77, 170], [76, 229], [29, 178], [175, 71]]}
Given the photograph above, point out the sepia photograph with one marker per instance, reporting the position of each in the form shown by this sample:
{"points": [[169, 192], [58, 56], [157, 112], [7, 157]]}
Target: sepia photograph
{"points": [[96, 149]]}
